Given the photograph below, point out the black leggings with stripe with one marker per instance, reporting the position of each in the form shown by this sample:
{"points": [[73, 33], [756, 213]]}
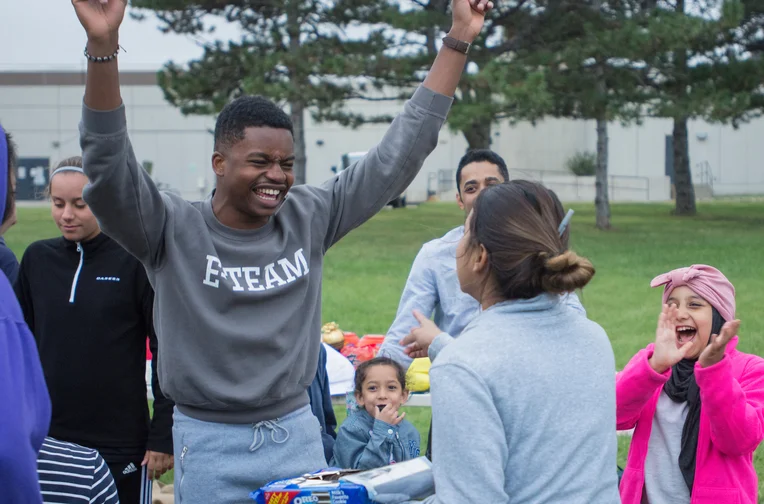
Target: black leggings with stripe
{"points": [[132, 484]]}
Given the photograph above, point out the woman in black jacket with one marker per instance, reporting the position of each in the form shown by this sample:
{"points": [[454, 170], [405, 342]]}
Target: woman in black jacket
{"points": [[89, 304]]}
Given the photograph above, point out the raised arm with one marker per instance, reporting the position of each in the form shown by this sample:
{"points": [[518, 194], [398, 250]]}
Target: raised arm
{"points": [[634, 387], [359, 192], [420, 293], [121, 194], [648, 371]]}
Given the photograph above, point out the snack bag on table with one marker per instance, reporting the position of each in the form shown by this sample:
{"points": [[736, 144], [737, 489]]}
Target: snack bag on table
{"points": [[393, 484]]}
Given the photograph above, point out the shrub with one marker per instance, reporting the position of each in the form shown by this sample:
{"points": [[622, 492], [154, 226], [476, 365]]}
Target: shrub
{"points": [[582, 163]]}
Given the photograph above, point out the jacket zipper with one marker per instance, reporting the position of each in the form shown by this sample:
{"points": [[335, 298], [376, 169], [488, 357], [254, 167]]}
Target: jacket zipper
{"points": [[77, 273]]}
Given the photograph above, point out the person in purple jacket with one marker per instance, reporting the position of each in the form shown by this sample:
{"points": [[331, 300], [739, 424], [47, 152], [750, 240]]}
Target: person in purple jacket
{"points": [[24, 400]]}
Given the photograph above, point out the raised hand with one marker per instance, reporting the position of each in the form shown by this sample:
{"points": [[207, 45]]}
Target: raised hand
{"points": [[666, 352], [468, 17], [420, 338], [714, 352], [389, 415], [101, 19]]}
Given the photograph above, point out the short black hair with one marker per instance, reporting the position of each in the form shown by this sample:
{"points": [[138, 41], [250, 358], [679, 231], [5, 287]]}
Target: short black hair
{"points": [[248, 112], [477, 156], [10, 197]]}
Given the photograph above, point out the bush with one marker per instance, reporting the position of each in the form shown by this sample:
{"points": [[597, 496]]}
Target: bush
{"points": [[582, 163]]}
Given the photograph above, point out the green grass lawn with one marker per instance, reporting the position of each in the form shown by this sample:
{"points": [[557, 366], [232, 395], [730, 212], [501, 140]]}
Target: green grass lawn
{"points": [[365, 273]]}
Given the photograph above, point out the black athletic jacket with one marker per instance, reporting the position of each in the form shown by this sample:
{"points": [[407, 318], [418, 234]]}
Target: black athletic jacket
{"points": [[89, 307]]}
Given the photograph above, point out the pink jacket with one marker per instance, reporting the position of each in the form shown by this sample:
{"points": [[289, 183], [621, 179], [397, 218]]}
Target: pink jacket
{"points": [[731, 425]]}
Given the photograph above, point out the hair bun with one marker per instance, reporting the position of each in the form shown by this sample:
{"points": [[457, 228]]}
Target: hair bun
{"points": [[566, 272]]}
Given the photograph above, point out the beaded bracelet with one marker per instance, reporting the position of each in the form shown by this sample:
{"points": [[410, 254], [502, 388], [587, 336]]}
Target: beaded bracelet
{"points": [[100, 59]]}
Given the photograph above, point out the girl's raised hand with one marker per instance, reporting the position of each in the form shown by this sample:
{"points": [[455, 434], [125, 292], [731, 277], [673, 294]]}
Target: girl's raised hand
{"points": [[389, 415], [714, 352], [666, 353]]}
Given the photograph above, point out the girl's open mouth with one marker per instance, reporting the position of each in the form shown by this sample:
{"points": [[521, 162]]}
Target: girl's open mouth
{"points": [[685, 334]]}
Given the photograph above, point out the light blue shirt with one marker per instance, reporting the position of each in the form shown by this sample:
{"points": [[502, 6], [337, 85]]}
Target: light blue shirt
{"points": [[433, 289]]}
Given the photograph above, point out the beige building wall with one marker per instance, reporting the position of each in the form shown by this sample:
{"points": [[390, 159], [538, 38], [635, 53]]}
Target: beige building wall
{"points": [[42, 110]]}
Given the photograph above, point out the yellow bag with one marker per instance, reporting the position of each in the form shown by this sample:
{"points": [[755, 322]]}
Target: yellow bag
{"points": [[418, 375]]}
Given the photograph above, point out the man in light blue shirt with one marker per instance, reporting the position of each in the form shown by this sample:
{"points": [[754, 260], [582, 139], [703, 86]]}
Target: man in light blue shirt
{"points": [[432, 287]]}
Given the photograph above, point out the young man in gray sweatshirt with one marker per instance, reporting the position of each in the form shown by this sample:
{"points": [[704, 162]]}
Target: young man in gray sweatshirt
{"points": [[238, 276]]}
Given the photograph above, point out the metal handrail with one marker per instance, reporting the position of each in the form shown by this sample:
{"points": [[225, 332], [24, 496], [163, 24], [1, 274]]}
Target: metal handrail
{"points": [[445, 180], [706, 174]]}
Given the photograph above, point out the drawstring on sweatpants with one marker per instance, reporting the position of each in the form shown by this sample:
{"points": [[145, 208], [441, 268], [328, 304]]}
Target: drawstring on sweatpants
{"points": [[274, 427]]}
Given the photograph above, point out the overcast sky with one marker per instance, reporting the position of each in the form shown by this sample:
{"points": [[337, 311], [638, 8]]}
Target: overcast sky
{"points": [[46, 35]]}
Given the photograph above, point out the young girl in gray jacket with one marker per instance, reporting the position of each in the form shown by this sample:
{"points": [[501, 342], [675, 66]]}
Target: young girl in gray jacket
{"points": [[377, 434]]}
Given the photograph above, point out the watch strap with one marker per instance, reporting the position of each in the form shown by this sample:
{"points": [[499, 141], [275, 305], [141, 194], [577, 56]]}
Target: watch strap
{"points": [[456, 44]]}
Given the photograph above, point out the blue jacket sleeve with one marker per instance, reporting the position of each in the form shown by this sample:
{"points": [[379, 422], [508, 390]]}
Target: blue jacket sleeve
{"points": [[8, 262], [321, 405], [24, 404]]}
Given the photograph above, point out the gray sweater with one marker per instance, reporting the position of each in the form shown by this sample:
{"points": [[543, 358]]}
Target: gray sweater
{"points": [[524, 409], [238, 312]]}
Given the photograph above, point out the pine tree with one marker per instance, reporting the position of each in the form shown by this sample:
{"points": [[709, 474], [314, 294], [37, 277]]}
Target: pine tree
{"points": [[295, 52], [578, 63], [700, 67]]}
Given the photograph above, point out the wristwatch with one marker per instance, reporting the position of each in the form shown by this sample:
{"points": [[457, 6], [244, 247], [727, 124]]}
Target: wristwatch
{"points": [[457, 45]]}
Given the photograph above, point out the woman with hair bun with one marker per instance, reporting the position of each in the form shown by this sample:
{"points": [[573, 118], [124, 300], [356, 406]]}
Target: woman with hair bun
{"points": [[524, 400]]}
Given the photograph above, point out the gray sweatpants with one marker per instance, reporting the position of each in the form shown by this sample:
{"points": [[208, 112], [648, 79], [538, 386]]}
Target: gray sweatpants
{"points": [[217, 462]]}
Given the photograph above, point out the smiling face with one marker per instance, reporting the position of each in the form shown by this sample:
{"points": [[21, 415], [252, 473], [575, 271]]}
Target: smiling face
{"points": [[254, 176], [70, 212], [474, 178], [693, 321], [380, 388]]}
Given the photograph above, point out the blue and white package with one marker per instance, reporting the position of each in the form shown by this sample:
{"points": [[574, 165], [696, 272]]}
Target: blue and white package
{"points": [[320, 487]]}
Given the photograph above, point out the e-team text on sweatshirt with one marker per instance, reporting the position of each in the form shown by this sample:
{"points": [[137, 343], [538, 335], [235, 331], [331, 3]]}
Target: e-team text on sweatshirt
{"points": [[255, 278]]}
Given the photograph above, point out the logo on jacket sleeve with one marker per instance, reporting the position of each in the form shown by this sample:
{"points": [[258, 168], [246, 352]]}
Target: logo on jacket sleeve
{"points": [[413, 449]]}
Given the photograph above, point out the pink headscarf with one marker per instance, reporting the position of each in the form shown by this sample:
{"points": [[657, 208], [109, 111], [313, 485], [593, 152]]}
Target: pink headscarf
{"points": [[706, 281]]}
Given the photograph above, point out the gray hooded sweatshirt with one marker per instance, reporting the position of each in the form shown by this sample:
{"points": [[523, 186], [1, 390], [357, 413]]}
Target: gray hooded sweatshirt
{"points": [[238, 312], [523, 407]]}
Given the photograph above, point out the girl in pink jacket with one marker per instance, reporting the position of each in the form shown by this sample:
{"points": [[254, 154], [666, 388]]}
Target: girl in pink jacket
{"points": [[696, 403]]}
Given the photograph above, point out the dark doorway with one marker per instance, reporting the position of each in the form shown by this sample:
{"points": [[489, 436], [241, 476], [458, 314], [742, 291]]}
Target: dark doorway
{"points": [[32, 178]]}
